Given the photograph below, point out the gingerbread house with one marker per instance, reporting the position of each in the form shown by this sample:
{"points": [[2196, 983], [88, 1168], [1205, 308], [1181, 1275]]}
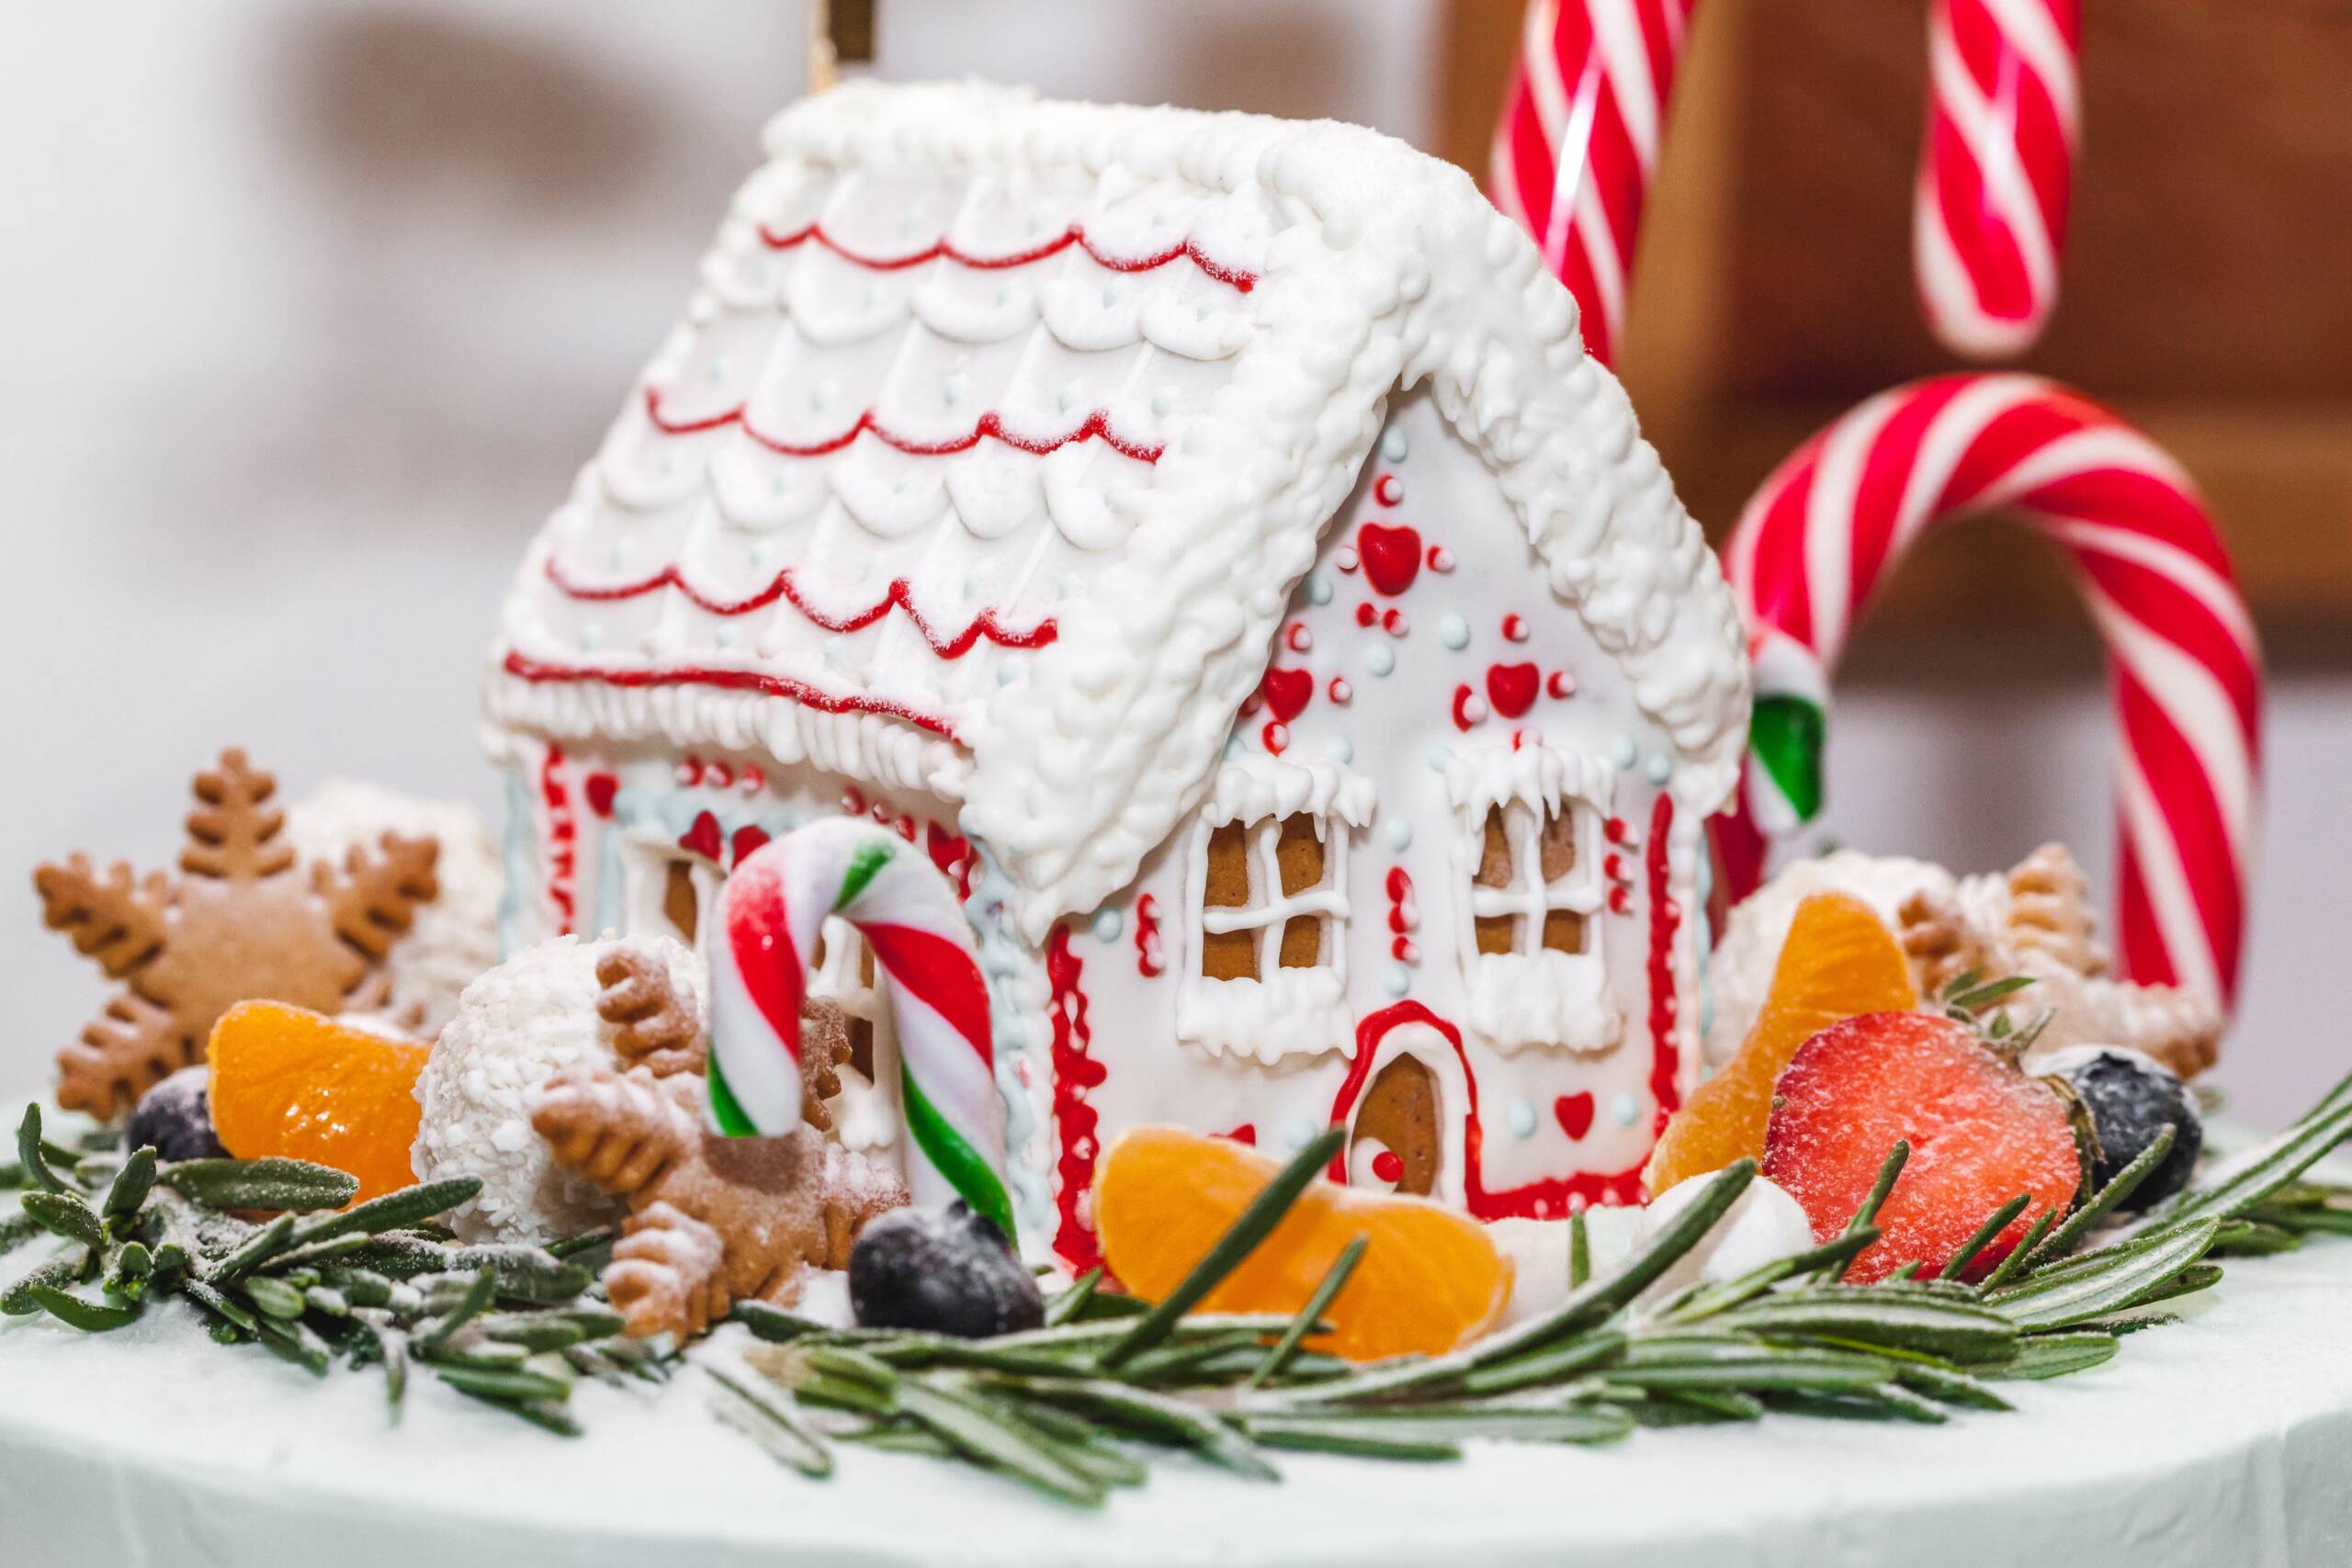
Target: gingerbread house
{"points": [[1207, 535]]}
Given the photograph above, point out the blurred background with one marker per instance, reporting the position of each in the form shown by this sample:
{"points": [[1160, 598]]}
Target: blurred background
{"points": [[311, 311]]}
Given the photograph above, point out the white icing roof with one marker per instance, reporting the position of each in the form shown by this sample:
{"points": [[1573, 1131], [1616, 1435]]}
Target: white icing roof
{"points": [[999, 430]]}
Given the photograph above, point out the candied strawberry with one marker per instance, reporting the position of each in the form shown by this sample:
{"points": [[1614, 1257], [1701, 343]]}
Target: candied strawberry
{"points": [[1981, 1132]]}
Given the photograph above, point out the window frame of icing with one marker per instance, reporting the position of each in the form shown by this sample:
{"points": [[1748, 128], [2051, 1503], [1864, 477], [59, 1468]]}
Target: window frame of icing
{"points": [[1535, 995], [649, 859], [1283, 1012], [866, 1113]]}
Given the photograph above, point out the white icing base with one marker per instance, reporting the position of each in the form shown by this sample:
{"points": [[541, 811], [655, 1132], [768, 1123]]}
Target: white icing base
{"points": [[2227, 1440]]}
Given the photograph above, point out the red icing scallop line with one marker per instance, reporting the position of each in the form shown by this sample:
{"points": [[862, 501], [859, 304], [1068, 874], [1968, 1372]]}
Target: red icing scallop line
{"points": [[1096, 428], [1149, 957], [984, 625], [541, 674], [1075, 1071], [1233, 277]]}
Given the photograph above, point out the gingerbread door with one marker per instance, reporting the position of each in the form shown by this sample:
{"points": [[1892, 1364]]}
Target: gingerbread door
{"points": [[1399, 1113]]}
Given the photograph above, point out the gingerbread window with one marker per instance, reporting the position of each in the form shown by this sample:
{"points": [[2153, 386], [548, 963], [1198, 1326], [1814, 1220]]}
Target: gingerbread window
{"points": [[668, 889], [1532, 889], [1270, 897], [866, 1113], [1528, 898], [1266, 900]]}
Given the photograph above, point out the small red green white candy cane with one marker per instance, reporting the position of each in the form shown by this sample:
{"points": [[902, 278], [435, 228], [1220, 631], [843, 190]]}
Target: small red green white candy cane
{"points": [[770, 912], [1827, 530]]}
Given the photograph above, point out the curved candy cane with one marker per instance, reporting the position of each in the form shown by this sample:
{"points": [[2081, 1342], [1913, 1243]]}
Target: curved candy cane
{"points": [[1579, 142], [1989, 213], [1828, 527], [770, 913]]}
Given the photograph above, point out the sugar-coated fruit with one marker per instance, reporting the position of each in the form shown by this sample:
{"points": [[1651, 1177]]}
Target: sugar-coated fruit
{"points": [[174, 1118], [949, 1271], [289, 1082], [2130, 1097], [1981, 1132]]}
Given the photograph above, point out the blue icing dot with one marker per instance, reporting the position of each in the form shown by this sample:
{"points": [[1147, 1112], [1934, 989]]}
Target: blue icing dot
{"points": [[1393, 444], [1453, 631], [1299, 1131], [1661, 768], [1381, 660], [629, 805], [1624, 752], [1441, 758], [1624, 1109], [1400, 834], [1396, 980], [1107, 925], [1522, 1119], [1319, 592], [1341, 748]]}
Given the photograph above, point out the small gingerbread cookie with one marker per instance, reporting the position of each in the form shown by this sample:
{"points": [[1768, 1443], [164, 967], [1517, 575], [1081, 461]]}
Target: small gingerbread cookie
{"points": [[712, 1220], [245, 920]]}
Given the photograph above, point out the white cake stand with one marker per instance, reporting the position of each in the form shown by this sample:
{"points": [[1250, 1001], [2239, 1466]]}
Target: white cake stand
{"points": [[2226, 1439]]}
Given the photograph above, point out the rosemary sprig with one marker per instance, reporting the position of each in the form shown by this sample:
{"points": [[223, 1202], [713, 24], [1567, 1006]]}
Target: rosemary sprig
{"points": [[317, 1283], [1057, 1408]]}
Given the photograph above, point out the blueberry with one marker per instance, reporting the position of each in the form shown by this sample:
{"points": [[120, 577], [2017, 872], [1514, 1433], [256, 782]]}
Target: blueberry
{"points": [[174, 1118], [2129, 1097], [951, 1273]]}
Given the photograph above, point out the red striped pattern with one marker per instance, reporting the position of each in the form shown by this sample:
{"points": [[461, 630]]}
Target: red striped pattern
{"points": [[1820, 539], [1579, 142], [939, 973], [1989, 215], [759, 935]]}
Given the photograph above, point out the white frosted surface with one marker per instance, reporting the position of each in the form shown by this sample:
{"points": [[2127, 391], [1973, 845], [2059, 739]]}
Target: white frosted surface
{"points": [[2227, 1440]]}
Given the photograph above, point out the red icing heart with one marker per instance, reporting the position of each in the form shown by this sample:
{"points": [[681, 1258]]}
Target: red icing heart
{"points": [[748, 837], [1575, 1111], [1392, 557], [1512, 688], [1287, 692], [602, 787], [703, 837]]}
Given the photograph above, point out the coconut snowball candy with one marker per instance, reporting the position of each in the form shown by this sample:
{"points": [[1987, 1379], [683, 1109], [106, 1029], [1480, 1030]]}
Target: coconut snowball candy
{"points": [[516, 1028]]}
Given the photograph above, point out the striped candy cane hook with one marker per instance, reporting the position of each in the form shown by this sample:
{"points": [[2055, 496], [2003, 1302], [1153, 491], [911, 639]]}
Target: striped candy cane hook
{"points": [[771, 911], [1579, 142], [1989, 213], [1818, 542]]}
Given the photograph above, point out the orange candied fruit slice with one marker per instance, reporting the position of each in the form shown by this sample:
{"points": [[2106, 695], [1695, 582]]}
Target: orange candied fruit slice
{"points": [[296, 1084], [1839, 961], [1430, 1280]]}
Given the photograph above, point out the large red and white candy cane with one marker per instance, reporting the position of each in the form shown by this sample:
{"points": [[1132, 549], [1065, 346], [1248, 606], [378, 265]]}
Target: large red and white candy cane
{"points": [[1579, 142], [1828, 527], [1989, 214], [771, 912]]}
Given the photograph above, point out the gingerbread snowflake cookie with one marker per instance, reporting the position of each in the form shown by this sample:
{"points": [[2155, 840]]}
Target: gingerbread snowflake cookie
{"points": [[712, 1220], [246, 919]]}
